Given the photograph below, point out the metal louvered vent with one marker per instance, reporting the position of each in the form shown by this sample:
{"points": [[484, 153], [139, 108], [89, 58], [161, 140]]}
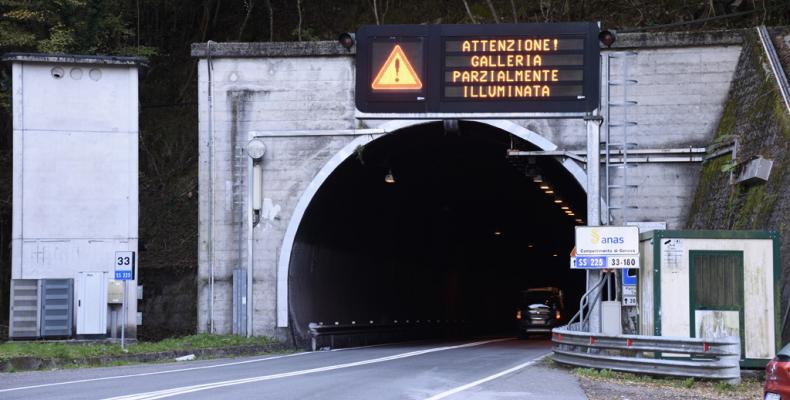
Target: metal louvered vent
{"points": [[56, 307], [25, 307]]}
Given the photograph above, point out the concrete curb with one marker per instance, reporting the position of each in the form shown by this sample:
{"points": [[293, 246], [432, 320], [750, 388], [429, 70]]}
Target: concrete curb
{"points": [[38, 363]]}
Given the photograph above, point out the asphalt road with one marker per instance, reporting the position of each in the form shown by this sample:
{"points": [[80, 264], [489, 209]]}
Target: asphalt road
{"points": [[483, 369]]}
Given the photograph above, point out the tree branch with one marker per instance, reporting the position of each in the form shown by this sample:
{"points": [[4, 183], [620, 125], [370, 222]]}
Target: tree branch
{"points": [[271, 20], [376, 12], [249, 4], [469, 12], [493, 11], [299, 25], [515, 14]]}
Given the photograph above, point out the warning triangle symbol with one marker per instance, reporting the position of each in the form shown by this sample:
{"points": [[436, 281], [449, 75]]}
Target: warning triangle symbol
{"points": [[397, 73]]}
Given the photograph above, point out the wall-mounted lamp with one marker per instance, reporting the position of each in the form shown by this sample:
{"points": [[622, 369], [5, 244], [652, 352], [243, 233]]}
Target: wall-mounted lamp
{"points": [[346, 40], [607, 38], [389, 178], [256, 149]]}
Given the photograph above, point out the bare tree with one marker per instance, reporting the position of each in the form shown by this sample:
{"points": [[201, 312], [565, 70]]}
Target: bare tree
{"points": [[299, 25], [493, 11], [515, 14], [469, 12], [376, 12], [546, 12], [248, 4], [271, 20]]}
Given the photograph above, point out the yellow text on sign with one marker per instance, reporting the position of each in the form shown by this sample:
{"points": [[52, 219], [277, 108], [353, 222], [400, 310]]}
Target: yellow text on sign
{"points": [[397, 73]]}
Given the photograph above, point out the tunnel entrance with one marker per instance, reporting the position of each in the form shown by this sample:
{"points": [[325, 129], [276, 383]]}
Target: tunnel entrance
{"points": [[434, 224]]}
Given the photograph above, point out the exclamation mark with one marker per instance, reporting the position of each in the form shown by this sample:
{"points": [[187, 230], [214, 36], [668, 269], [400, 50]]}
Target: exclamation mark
{"points": [[397, 68]]}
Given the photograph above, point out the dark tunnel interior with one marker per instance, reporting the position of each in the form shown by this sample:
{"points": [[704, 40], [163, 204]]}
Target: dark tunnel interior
{"points": [[459, 233]]}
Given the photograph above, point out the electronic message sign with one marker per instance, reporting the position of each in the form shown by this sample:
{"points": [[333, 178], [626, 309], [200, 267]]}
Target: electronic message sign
{"points": [[478, 68]]}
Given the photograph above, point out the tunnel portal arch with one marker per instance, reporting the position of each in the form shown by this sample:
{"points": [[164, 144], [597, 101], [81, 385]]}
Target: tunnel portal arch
{"points": [[285, 254]]}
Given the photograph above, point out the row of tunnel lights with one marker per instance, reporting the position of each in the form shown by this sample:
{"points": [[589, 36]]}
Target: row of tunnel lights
{"points": [[547, 189]]}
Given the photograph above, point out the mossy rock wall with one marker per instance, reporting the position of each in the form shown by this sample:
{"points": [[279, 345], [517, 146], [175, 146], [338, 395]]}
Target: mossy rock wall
{"points": [[755, 116]]}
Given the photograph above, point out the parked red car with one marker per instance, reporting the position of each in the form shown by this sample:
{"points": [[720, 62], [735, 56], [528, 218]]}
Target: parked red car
{"points": [[777, 376]]}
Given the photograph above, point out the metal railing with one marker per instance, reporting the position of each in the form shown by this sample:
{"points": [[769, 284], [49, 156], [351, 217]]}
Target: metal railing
{"points": [[360, 334], [655, 355], [776, 65], [584, 304]]}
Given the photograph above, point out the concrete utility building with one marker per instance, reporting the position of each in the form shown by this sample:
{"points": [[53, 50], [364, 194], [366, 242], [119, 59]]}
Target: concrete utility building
{"points": [[75, 194], [348, 217]]}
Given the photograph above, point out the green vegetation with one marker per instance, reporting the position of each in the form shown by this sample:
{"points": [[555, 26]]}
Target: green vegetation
{"points": [[745, 387], [75, 351], [724, 387], [754, 116]]}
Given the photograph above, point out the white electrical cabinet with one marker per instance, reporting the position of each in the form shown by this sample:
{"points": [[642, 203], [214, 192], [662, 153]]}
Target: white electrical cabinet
{"points": [[92, 303]]}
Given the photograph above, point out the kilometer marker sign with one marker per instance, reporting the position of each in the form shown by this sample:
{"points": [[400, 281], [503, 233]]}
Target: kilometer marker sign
{"points": [[397, 73]]}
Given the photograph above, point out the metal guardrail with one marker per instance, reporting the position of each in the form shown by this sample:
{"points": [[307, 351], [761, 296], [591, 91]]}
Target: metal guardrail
{"points": [[654, 355], [336, 335]]}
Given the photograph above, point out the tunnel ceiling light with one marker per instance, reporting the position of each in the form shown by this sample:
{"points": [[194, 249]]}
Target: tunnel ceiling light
{"points": [[564, 207], [497, 232], [545, 187], [537, 179], [549, 192], [530, 246], [389, 178], [554, 255], [558, 201]]}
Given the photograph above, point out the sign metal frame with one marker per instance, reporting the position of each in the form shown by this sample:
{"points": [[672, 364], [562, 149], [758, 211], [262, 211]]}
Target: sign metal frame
{"points": [[432, 99]]}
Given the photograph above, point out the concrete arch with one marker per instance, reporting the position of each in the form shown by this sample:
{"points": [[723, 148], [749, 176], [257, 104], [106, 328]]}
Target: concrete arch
{"points": [[284, 259]]}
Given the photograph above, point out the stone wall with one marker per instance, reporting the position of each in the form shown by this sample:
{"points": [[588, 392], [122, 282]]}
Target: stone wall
{"points": [[756, 118]]}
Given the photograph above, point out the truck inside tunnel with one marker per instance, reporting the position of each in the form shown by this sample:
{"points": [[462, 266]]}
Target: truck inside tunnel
{"points": [[436, 224]]}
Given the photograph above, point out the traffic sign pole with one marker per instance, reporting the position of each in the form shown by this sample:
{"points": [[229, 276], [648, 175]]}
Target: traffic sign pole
{"points": [[124, 270], [123, 321], [594, 210]]}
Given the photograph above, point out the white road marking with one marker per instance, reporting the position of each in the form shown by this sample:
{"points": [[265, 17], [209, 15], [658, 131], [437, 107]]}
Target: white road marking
{"points": [[160, 394], [151, 373], [486, 379]]}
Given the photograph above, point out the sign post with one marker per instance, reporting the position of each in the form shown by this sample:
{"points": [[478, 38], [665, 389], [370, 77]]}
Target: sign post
{"points": [[124, 271], [602, 248]]}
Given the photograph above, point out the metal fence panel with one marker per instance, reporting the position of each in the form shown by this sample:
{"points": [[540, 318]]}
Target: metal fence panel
{"points": [[56, 307], [25, 308]]}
